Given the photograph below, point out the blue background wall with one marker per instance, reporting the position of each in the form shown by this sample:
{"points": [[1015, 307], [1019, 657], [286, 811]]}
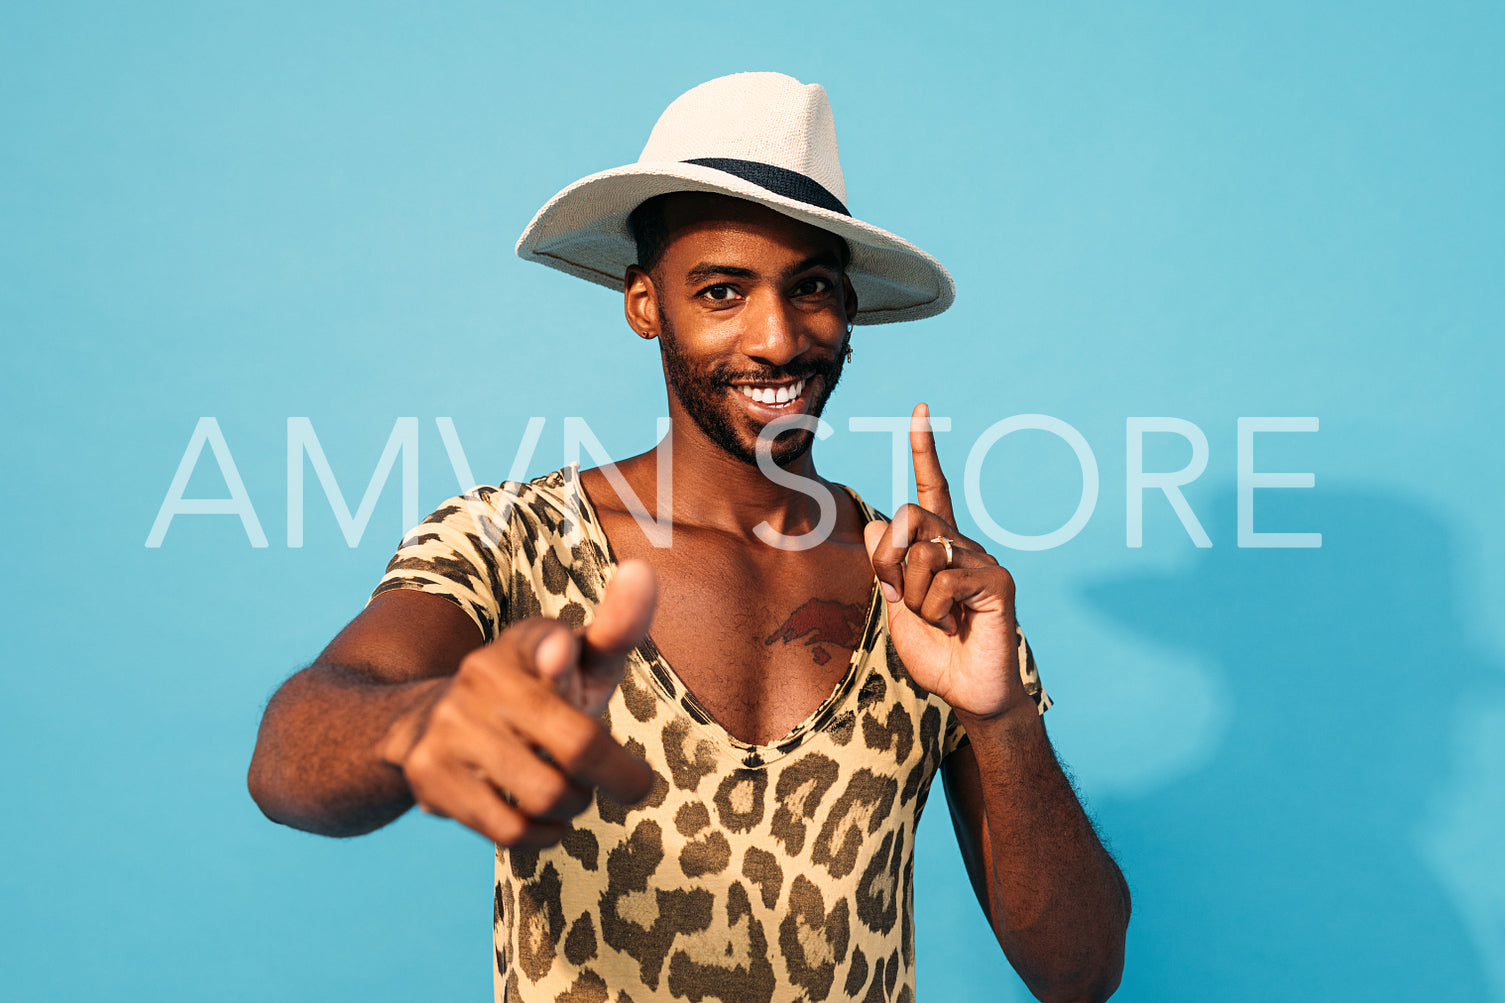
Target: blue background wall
{"points": [[261, 211]]}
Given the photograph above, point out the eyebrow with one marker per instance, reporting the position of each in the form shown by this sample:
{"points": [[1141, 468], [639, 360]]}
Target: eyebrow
{"points": [[709, 269]]}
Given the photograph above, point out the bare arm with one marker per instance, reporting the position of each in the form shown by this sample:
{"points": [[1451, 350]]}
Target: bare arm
{"points": [[405, 706], [1055, 899], [316, 765]]}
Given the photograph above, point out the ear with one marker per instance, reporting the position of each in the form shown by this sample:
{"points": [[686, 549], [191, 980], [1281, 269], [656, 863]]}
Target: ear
{"points": [[640, 303], [850, 296]]}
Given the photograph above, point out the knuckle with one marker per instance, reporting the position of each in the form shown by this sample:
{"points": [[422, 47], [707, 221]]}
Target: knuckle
{"points": [[480, 661], [445, 716], [480, 671], [504, 826], [935, 481], [575, 743], [475, 660], [517, 696], [553, 795], [421, 767], [511, 826], [899, 525], [425, 796], [513, 643]]}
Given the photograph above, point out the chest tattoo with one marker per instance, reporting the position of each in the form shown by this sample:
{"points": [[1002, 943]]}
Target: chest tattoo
{"points": [[820, 622]]}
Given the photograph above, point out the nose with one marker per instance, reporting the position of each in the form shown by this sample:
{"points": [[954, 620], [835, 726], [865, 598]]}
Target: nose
{"points": [[774, 332]]}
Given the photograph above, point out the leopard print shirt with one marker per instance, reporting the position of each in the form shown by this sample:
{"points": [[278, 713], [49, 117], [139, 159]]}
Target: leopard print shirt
{"points": [[750, 873]]}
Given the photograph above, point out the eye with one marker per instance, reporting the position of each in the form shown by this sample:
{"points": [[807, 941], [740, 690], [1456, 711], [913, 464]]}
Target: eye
{"points": [[812, 286], [720, 293]]}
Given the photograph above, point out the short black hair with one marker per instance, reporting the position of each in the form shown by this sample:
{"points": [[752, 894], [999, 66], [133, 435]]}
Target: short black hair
{"points": [[649, 226]]}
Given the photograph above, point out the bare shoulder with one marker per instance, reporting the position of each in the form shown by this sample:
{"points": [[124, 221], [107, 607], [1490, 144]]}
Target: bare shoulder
{"points": [[619, 517], [639, 473]]}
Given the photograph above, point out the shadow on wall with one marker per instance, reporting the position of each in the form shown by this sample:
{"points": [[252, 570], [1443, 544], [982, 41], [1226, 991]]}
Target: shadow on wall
{"points": [[1293, 866]]}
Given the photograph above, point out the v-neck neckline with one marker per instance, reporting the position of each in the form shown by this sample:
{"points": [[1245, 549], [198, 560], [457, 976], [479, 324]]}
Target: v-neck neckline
{"points": [[671, 685]]}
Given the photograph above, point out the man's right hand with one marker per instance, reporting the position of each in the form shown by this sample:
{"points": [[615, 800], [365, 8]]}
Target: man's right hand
{"points": [[511, 747]]}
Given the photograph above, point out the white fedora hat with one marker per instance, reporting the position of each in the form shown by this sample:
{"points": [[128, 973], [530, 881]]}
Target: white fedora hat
{"points": [[763, 137]]}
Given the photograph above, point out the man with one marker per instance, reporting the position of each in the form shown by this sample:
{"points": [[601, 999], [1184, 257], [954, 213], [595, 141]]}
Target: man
{"points": [[726, 809]]}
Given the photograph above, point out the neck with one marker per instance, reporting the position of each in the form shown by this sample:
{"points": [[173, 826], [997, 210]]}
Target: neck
{"points": [[716, 490]]}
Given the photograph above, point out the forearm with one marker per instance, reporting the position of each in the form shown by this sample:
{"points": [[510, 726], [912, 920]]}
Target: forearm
{"points": [[1060, 907], [317, 766]]}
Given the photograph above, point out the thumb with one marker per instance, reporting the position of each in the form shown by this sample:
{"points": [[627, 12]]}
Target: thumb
{"points": [[622, 618]]}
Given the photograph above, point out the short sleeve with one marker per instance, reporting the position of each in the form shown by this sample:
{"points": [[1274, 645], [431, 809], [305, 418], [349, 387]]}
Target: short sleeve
{"points": [[459, 553], [1029, 673]]}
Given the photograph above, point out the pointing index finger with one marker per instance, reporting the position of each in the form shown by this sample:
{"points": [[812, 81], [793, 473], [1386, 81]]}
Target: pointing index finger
{"points": [[931, 490]]}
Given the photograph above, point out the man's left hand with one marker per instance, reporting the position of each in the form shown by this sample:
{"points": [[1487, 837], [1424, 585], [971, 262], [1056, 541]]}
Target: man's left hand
{"points": [[952, 623]]}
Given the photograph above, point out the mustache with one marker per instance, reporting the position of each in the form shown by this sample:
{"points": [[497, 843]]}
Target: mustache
{"points": [[797, 369]]}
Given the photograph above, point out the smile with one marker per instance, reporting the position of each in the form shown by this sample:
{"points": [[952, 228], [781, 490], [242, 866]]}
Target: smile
{"points": [[773, 395]]}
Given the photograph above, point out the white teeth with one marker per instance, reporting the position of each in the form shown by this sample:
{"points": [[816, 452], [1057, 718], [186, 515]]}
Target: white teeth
{"points": [[768, 395]]}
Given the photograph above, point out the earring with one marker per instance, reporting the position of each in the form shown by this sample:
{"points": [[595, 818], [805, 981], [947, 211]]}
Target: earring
{"points": [[849, 353]]}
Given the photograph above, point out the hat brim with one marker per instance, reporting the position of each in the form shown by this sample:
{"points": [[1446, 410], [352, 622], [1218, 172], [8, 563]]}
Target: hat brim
{"points": [[583, 231]]}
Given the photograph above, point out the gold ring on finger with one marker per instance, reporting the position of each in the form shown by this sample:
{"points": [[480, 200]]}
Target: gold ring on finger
{"points": [[945, 542]]}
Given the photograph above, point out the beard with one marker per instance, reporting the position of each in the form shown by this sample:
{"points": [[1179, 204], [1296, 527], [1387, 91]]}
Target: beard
{"points": [[703, 392]]}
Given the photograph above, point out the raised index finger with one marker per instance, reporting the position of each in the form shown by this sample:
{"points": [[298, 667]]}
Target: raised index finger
{"points": [[931, 491]]}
